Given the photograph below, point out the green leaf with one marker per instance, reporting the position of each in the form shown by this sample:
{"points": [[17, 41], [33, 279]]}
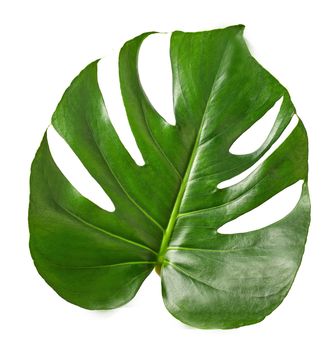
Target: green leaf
{"points": [[169, 210]]}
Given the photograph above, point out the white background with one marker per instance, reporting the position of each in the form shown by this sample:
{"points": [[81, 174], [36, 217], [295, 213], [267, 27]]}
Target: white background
{"points": [[44, 44]]}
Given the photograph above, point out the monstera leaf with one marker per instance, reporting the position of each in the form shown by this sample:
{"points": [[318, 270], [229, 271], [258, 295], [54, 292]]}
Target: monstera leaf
{"points": [[168, 211]]}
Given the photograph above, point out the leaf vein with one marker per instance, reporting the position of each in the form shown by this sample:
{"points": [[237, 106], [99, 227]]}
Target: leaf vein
{"points": [[105, 231]]}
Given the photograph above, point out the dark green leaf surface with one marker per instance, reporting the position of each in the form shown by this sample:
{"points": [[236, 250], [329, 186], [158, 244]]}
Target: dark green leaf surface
{"points": [[169, 210]]}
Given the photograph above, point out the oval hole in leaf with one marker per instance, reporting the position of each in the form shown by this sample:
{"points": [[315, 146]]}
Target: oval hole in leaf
{"points": [[73, 169], [108, 79], [156, 75], [267, 213], [254, 137], [236, 179]]}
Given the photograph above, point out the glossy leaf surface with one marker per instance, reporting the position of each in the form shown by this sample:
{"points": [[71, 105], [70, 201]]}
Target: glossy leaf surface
{"points": [[168, 211]]}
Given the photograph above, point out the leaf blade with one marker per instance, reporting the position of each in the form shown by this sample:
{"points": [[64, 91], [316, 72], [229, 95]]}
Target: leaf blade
{"points": [[169, 210]]}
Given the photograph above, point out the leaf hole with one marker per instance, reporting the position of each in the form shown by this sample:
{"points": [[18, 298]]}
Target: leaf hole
{"points": [[236, 179], [253, 138], [108, 80], [73, 169], [156, 74], [273, 210]]}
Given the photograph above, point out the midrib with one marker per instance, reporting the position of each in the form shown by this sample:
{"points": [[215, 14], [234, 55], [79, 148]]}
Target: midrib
{"points": [[172, 220], [173, 217]]}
